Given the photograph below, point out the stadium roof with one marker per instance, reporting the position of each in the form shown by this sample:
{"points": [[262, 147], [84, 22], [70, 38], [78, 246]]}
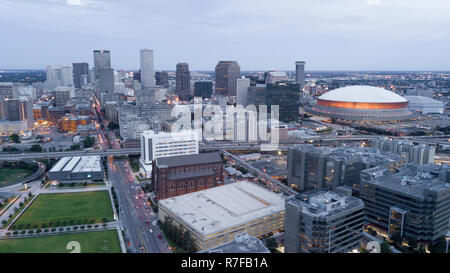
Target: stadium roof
{"points": [[362, 93]]}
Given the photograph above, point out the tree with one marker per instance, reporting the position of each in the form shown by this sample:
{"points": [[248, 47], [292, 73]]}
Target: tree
{"points": [[271, 243], [40, 138], [372, 232], [75, 147], [15, 138], [113, 126], [36, 148], [439, 246], [412, 243], [397, 239], [88, 142], [384, 246]]}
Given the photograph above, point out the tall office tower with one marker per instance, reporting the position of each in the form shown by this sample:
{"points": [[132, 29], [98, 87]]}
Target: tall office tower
{"points": [[162, 78], [242, 86], [286, 96], [323, 222], [62, 96], [66, 76], [147, 71], [17, 110], [256, 95], [312, 167], [80, 74], [53, 80], [183, 81], [6, 90], [203, 89], [102, 59], [300, 74], [155, 145], [105, 80], [413, 202], [227, 72]]}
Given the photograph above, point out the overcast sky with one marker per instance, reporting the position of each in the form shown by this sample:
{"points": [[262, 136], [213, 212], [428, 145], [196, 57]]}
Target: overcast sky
{"points": [[258, 34]]}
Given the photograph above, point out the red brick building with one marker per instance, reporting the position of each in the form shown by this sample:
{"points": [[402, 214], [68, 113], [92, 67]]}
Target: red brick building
{"points": [[177, 175]]}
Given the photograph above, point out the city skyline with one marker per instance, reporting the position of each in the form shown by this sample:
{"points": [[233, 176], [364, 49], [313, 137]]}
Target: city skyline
{"points": [[359, 35]]}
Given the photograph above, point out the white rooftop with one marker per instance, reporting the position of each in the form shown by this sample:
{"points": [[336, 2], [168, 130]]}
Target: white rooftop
{"points": [[78, 164], [362, 93], [212, 210]]}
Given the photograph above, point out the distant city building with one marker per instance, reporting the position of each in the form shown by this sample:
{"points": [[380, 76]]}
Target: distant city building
{"points": [[66, 76], [105, 80], [215, 216], [242, 86], [311, 167], [414, 202], [111, 111], [300, 74], [286, 97], [166, 144], [323, 222], [16, 110], [70, 122], [62, 95], [275, 76], [162, 78], [420, 154], [177, 175], [102, 59], [183, 81], [256, 95], [226, 73], [147, 70], [77, 169], [203, 89], [6, 90], [80, 74], [425, 105]]}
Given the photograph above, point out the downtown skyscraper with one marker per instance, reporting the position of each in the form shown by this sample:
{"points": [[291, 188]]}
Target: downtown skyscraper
{"points": [[147, 69], [104, 74], [300, 74], [80, 74], [183, 81], [227, 72]]}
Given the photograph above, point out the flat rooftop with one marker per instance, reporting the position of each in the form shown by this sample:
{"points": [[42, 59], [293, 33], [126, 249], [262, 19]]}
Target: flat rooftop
{"points": [[321, 203], [78, 164], [194, 159], [242, 243], [212, 210]]}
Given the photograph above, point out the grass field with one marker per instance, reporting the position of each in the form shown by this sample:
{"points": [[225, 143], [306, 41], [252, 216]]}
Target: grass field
{"points": [[11, 175], [61, 209], [90, 242]]}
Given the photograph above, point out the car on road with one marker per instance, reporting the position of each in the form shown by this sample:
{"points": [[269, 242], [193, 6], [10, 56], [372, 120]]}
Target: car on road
{"points": [[159, 236]]}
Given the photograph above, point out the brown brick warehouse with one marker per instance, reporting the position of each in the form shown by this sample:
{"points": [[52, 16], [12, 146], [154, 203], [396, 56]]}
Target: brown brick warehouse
{"points": [[183, 174]]}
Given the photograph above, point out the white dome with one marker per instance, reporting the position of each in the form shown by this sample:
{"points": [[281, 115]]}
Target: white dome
{"points": [[362, 93]]}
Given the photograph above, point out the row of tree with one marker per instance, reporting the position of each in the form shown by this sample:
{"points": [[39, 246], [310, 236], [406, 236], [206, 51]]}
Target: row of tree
{"points": [[181, 237]]}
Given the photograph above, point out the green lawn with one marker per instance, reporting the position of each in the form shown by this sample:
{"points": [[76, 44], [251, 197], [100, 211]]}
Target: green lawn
{"points": [[90, 242], [11, 175], [67, 209]]}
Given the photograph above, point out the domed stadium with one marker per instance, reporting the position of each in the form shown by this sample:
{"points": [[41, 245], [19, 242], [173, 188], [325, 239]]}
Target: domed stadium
{"points": [[362, 104]]}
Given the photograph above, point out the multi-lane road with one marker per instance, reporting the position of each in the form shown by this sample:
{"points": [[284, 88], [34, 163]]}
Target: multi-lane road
{"points": [[142, 234]]}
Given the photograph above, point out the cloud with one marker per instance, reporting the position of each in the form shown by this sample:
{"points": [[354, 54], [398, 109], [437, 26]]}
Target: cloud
{"points": [[373, 2], [74, 2]]}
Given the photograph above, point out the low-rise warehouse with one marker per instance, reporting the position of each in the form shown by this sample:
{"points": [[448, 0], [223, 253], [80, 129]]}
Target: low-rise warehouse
{"points": [[77, 169], [214, 216]]}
